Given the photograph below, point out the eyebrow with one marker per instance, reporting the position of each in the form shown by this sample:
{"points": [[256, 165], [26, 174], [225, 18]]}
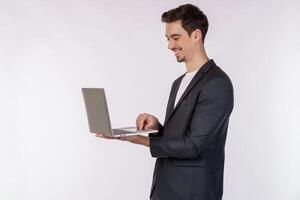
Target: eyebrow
{"points": [[173, 35]]}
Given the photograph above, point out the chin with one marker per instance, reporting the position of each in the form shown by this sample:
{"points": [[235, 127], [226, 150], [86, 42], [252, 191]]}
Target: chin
{"points": [[180, 59]]}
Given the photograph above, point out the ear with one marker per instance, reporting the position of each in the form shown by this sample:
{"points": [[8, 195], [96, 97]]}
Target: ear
{"points": [[197, 35]]}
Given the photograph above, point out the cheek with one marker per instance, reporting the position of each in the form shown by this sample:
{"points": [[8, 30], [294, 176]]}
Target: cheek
{"points": [[184, 44], [187, 46]]}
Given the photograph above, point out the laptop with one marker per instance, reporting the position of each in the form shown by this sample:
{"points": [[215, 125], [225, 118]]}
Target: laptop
{"points": [[98, 116]]}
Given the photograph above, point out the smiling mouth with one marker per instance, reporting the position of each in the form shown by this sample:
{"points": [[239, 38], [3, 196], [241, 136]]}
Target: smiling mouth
{"points": [[177, 51]]}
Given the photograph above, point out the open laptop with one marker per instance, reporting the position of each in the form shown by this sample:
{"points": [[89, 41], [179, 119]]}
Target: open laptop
{"points": [[98, 116]]}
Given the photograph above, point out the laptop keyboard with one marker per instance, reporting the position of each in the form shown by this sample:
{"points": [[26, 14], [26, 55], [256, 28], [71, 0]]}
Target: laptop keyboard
{"points": [[121, 132]]}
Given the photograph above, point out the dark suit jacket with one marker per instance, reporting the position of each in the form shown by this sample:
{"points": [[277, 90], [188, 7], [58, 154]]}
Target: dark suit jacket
{"points": [[189, 147]]}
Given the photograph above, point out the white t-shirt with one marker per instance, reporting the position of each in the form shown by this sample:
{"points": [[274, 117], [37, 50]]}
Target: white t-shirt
{"points": [[184, 84]]}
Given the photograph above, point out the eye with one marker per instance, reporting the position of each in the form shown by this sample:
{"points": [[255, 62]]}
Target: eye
{"points": [[176, 39]]}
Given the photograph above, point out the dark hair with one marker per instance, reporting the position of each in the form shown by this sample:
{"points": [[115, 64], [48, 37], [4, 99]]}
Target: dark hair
{"points": [[191, 17]]}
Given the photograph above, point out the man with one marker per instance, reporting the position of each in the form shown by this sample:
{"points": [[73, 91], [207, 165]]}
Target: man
{"points": [[189, 147]]}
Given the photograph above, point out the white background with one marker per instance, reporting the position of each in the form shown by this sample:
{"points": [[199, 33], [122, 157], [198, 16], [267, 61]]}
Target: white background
{"points": [[49, 50]]}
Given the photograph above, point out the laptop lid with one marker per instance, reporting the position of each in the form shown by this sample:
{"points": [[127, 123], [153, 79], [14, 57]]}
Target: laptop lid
{"points": [[97, 111]]}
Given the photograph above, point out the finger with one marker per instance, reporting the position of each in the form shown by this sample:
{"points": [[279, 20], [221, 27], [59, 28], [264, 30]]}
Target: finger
{"points": [[104, 136], [137, 121], [141, 122], [99, 135], [148, 126], [150, 123], [140, 118]]}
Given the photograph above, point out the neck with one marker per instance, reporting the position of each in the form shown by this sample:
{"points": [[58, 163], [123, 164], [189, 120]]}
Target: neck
{"points": [[197, 60]]}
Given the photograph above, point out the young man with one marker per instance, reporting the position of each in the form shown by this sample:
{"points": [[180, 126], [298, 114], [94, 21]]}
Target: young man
{"points": [[189, 147]]}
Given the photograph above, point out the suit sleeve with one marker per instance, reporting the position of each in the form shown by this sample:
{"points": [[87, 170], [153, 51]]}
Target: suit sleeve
{"points": [[214, 105], [158, 134]]}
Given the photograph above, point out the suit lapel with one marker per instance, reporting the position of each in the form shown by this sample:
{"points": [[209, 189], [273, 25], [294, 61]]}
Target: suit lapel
{"points": [[197, 77], [172, 97]]}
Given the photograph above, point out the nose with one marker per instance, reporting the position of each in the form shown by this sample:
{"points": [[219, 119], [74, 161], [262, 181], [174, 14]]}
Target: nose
{"points": [[171, 45]]}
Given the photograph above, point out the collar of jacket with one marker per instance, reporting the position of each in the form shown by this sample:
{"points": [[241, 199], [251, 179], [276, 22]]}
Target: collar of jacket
{"points": [[204, 69]]}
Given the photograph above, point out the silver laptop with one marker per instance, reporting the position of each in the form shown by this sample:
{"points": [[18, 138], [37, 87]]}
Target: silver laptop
{"points": [[98, 116]]}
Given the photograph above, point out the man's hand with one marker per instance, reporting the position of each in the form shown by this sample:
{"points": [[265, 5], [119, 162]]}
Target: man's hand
{"points": [[136, 139], [107, 137], [143, 121], [147, 121]]}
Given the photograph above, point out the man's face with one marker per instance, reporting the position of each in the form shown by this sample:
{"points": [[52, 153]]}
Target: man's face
{"points": [[179, 41]]}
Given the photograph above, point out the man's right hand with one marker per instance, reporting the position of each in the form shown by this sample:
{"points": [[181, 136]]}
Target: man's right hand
{"points": [[147, 121]]}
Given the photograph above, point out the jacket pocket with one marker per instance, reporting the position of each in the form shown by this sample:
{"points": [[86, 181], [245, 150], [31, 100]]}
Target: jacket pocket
{"points": [[189, 163]]}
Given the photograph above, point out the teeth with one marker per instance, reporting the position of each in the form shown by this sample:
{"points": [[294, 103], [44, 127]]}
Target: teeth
{"points": [[176, 51]]}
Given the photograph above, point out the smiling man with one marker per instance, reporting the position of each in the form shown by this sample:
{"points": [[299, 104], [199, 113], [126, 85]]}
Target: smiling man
{"points": [[190, 145]]}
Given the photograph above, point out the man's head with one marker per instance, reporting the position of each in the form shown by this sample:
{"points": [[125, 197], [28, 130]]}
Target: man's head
{"points": [[186, 28]]}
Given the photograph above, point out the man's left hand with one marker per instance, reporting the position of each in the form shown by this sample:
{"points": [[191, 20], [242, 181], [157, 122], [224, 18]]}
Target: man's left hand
{"points": [[136, 139]]}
